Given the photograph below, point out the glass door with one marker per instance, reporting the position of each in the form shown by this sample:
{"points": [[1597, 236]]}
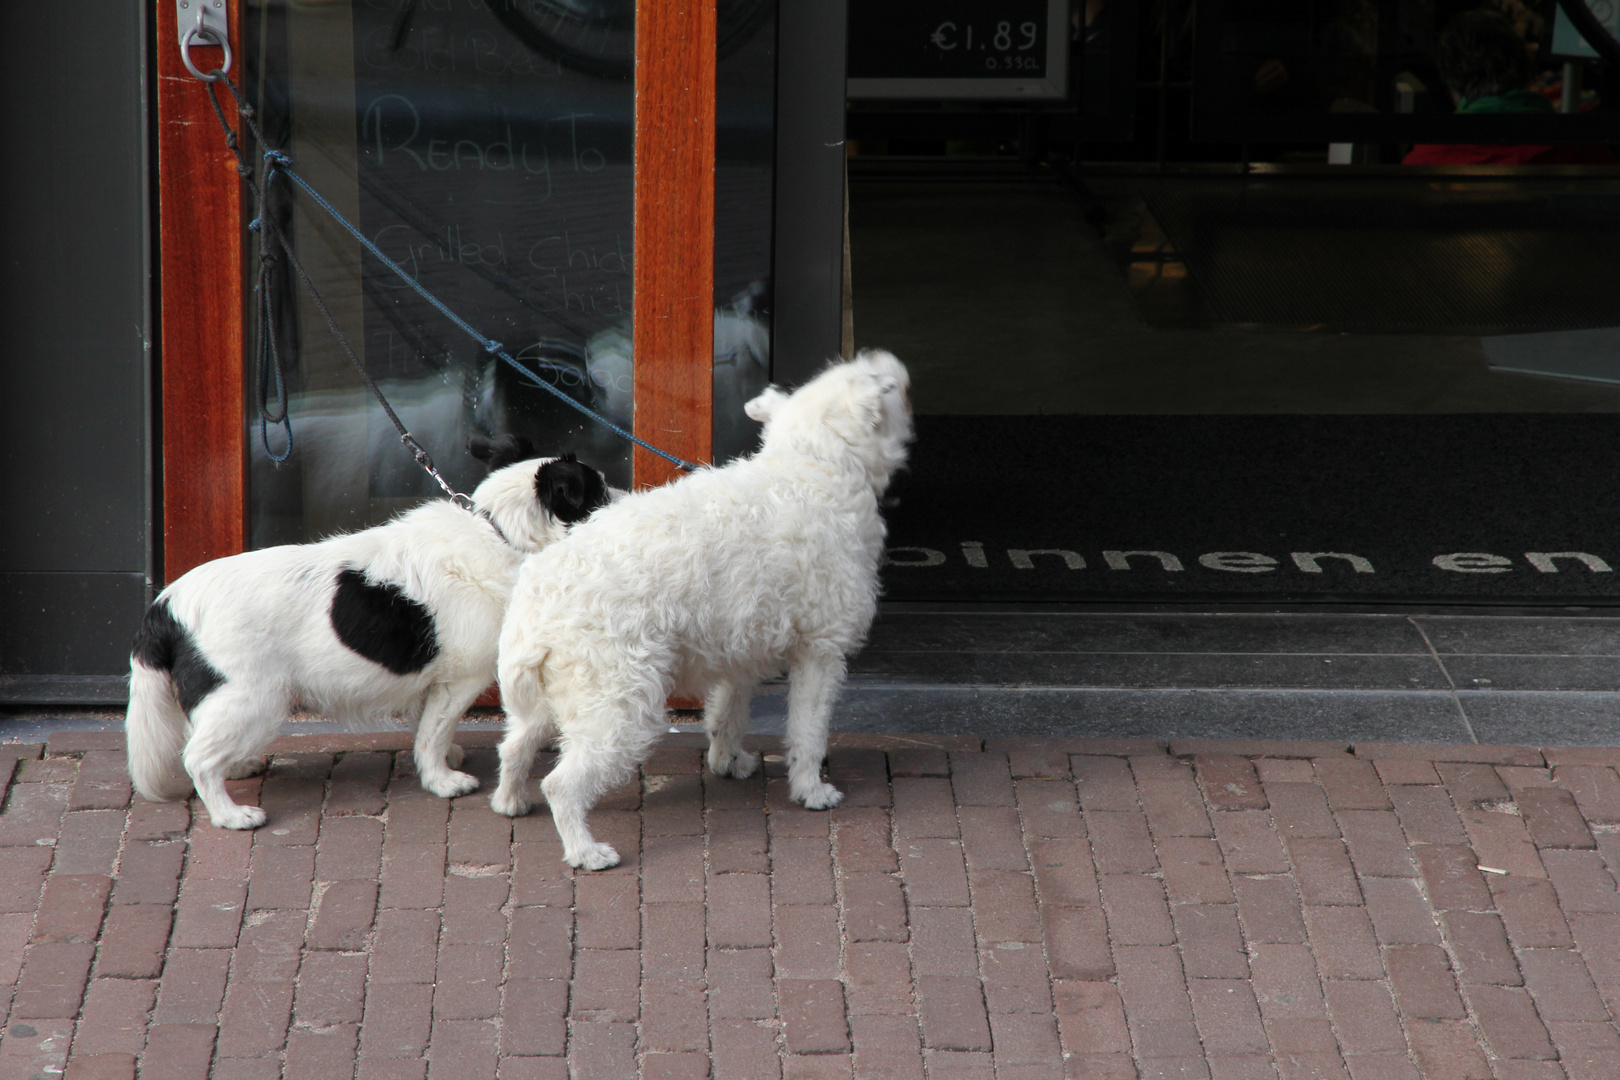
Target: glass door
{"points": [[488, 151], [1252, 302], [546, 168]]}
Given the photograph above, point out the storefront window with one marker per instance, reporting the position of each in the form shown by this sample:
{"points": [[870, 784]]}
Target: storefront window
{"points": [[745, 131], [486, 148]]}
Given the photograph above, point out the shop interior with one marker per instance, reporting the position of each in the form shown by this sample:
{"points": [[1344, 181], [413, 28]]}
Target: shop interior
{"points": [[1148, 244], [1190, 247]]}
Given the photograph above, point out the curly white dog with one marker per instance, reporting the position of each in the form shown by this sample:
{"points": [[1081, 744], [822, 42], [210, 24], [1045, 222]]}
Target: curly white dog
{"points": [[705, 587], [402, 618]]}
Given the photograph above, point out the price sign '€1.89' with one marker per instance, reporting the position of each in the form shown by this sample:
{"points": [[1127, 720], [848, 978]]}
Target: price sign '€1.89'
{"points": [[958, 49]]}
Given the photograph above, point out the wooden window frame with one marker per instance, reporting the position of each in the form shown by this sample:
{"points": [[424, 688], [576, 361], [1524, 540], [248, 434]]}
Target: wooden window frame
{"points": [[201, 252], [200, 316]]}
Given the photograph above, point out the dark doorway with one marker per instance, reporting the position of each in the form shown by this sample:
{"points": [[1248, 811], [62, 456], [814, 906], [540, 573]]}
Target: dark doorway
{"points": [[1232, 333]]}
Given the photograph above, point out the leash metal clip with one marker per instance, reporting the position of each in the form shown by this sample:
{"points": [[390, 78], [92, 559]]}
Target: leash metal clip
{"points": [[424, 459], [203, 22]]}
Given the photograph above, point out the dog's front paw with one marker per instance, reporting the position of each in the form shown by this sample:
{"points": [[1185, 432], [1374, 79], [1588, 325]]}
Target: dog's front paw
{"points": [[511, 803], [738, 764], [252, 766], [238, 817], [454, 756], [447, 785], [817, 795], [593, 856]]}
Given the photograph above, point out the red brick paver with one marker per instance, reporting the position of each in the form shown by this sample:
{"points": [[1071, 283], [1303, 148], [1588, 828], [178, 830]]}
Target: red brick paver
{"points": [[1022, 908]]}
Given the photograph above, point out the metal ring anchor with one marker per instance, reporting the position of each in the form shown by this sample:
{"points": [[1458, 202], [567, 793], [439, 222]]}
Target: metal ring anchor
{"points": [[201, 31]]}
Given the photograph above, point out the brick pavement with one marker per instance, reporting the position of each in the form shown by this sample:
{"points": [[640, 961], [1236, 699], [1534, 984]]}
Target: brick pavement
{"points": [[1020, 910]]}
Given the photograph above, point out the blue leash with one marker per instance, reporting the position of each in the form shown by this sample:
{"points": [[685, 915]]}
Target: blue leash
{"points": [[278, 162]]}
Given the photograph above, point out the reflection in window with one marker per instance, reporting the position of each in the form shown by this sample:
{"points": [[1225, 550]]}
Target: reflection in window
{"points": [[745, 151], [487, 149]]}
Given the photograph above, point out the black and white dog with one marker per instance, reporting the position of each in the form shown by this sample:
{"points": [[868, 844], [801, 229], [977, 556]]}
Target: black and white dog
{"points": [[398, 619]]}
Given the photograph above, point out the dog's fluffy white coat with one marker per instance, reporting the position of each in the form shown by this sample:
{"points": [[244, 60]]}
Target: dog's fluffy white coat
{"points": [[705, 587], [261, 620]]}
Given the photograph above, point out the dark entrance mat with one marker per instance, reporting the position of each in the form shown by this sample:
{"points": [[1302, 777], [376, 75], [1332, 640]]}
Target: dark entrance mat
{"points": [[1493, 508]]}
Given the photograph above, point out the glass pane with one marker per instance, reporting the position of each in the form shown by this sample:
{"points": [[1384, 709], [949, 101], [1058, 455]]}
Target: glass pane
{"points": [[745, 152], [1442, 81], [1245, 352], [488, 150]]}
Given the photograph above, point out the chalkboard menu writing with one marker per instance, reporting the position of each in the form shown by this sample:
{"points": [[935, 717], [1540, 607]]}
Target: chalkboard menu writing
{"points": [[494, 164], [961, 49], [486, 147]]}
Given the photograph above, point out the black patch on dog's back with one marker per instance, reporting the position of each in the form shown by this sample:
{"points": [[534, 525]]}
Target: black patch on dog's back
{"points": [[382, 624], [570, 491], [163, 644]]}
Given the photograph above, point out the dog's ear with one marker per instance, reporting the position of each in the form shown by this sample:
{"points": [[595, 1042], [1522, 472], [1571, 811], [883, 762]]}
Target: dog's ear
{"points": [[569, 490], [501, 451], [887, 373], [863, 401], [762, 407], [868, 397]]}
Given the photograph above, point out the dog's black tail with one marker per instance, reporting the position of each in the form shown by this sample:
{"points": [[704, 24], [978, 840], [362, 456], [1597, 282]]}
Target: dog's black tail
{"points": [[155, 725]]}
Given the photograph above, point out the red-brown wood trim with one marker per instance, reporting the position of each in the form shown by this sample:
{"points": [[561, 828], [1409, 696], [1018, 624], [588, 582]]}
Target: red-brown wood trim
{"points": [[200, 260], [674, 238]]}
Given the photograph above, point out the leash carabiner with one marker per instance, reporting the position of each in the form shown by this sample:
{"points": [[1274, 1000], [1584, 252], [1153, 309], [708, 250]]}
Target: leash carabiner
{"points": [[424, 459]]}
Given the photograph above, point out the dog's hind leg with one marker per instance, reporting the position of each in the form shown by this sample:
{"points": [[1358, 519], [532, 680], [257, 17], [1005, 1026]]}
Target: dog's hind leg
{"points": [[440, 713], [231, 725], [526, 732], [585, 769], [813, 684], [528, 724], [725, 718]]}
